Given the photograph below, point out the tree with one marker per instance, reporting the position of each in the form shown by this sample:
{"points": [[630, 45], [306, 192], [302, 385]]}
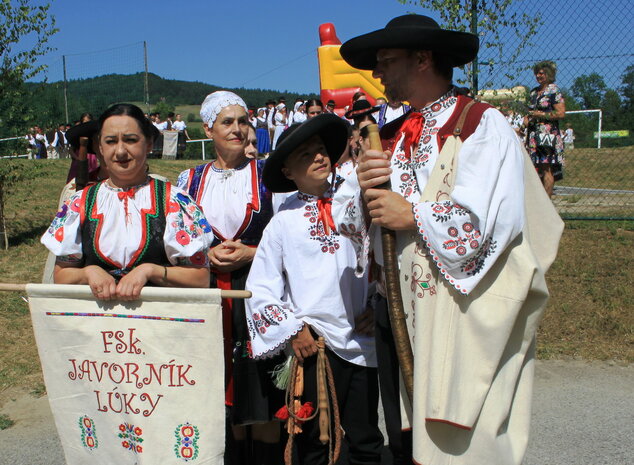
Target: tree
{"points": [[589, 90], [628, 86], [19, 23], [163, 108], [493, 19], [612, 109]]}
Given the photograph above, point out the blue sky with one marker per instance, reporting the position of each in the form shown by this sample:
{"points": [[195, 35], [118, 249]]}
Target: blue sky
{"points": [[272, 44]]}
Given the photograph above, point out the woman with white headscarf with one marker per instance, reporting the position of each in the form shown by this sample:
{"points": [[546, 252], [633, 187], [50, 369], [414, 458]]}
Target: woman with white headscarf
{"points": [[262, 132], [299, 113], [281, 122], [230, 191]]}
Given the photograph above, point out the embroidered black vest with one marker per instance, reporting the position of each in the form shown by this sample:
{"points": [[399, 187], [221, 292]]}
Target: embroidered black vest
{"points": [[150, 250]]}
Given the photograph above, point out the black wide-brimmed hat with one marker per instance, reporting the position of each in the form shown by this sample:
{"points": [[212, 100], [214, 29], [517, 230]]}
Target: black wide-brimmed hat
{"points": [[412, 32], [360, 108], [332, 130], [87, 129]]}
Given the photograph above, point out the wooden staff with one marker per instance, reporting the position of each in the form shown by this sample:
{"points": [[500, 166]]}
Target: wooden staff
{"points": [[229, 294], [322, 393], [393, 289]]}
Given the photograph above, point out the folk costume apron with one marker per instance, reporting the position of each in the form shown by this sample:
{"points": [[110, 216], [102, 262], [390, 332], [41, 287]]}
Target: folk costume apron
{"points": [[474, 354]]}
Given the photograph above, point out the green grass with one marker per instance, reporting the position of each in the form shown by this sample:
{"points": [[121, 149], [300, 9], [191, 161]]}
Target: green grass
{"points": [[5, 422]]}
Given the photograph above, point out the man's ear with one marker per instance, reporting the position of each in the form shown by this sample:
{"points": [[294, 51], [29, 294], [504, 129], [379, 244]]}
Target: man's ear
{"points": [[208, 132], [286, 172], [423, 59]]}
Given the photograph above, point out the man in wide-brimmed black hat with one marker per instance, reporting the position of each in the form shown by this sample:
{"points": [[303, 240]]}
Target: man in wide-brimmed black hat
{"points": [[462, 200]]}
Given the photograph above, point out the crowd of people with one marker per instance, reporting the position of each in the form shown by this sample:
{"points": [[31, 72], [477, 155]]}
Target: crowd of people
{"points": [[300, 230]]}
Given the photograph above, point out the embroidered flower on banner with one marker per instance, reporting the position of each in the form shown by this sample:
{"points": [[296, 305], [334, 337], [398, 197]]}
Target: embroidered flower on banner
{"points": [[131, 436]]}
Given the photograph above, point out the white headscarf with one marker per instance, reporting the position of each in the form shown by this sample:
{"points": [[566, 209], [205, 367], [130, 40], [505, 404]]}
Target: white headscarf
{"points": [[215, 102]]}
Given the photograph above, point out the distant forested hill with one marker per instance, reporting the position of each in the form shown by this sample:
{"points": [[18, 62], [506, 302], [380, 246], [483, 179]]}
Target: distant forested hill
{"points": [[94, 95]]}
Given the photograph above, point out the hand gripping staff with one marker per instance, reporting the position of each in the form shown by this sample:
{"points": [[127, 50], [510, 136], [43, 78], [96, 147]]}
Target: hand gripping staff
{"points": [[393, 290]]}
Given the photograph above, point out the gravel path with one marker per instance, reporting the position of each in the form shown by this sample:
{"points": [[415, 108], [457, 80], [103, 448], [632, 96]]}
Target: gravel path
{"points": [[583, 414]]}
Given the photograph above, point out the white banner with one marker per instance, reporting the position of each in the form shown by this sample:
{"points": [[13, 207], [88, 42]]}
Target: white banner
{"points": [[133, 382]]}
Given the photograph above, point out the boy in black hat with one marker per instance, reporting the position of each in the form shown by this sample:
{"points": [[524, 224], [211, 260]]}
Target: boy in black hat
{"points": [[475, 238], [308, 279]]}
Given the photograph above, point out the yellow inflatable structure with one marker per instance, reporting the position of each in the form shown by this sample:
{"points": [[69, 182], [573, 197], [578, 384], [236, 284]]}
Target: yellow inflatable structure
{"points": [[338, 80]]}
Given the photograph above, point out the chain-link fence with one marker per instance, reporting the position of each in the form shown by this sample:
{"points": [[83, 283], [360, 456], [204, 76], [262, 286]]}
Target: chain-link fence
{"points": [[592, 44]]}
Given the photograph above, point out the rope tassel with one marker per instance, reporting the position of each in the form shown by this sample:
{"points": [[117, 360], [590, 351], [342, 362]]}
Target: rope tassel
{"points": [[295, 413]]}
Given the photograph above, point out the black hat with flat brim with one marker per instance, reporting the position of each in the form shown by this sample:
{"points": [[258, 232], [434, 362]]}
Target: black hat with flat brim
{"points": [[360, 108], [87, 129], [411, 32], [332, 130]]}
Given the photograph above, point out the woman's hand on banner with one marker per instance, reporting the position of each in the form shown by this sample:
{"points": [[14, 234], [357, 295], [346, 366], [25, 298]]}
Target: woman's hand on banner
{"points": [[130, 286], [102, 284]]}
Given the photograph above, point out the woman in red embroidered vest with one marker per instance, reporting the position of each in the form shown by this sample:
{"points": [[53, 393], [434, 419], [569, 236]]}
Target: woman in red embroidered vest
{"points": [[130, 230], [231, 194]]}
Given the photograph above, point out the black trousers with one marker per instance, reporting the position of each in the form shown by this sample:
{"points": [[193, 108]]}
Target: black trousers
{"points": [[358, 396], [400, 441]]}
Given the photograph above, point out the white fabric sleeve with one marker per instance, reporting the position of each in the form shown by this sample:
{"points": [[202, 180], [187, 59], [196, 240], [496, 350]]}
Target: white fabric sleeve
{"points": [[270, 319], [63, 236], [466, 234], [347, 213], [187, 234], [181, 181]]}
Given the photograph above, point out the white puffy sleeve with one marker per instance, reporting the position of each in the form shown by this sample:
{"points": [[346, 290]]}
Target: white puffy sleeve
{"points": [[270, 319], [187, 234], [63, 236], [347, 213], [183, 179], [467, 233]]}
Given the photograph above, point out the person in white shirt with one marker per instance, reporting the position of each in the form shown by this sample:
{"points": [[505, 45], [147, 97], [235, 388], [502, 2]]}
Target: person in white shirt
{"points": [[160, 125], [475, 234], [281, 122], [179, 125], [308, 279], [569, 137]]}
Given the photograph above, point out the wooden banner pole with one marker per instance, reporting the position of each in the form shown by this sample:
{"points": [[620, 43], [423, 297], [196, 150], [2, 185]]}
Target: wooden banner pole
{"points": [[225, 294]]}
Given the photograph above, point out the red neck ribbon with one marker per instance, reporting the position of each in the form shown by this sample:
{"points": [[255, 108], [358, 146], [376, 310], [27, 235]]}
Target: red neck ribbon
{"points": [[324, 206], [412, 128], [125, 195]]}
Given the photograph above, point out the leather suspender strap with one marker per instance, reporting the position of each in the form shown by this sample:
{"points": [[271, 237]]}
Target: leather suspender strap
{"points": [[461, 120]]}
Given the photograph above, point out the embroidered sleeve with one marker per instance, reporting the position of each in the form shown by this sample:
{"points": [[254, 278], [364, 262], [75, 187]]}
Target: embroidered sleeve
{"points": [[181, 182], [187, 232], [63, 236], [466, 235], [347, 213], [270, 319]]}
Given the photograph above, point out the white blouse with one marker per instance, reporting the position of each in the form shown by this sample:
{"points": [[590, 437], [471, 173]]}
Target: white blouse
{"points": [[187, 235], [225, 197], [466, 234], [303, 274]]}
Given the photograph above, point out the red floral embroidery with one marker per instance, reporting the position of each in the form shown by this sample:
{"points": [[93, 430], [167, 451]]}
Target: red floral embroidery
{"points": [[182, 238], [198, 258], [75, 205]]}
